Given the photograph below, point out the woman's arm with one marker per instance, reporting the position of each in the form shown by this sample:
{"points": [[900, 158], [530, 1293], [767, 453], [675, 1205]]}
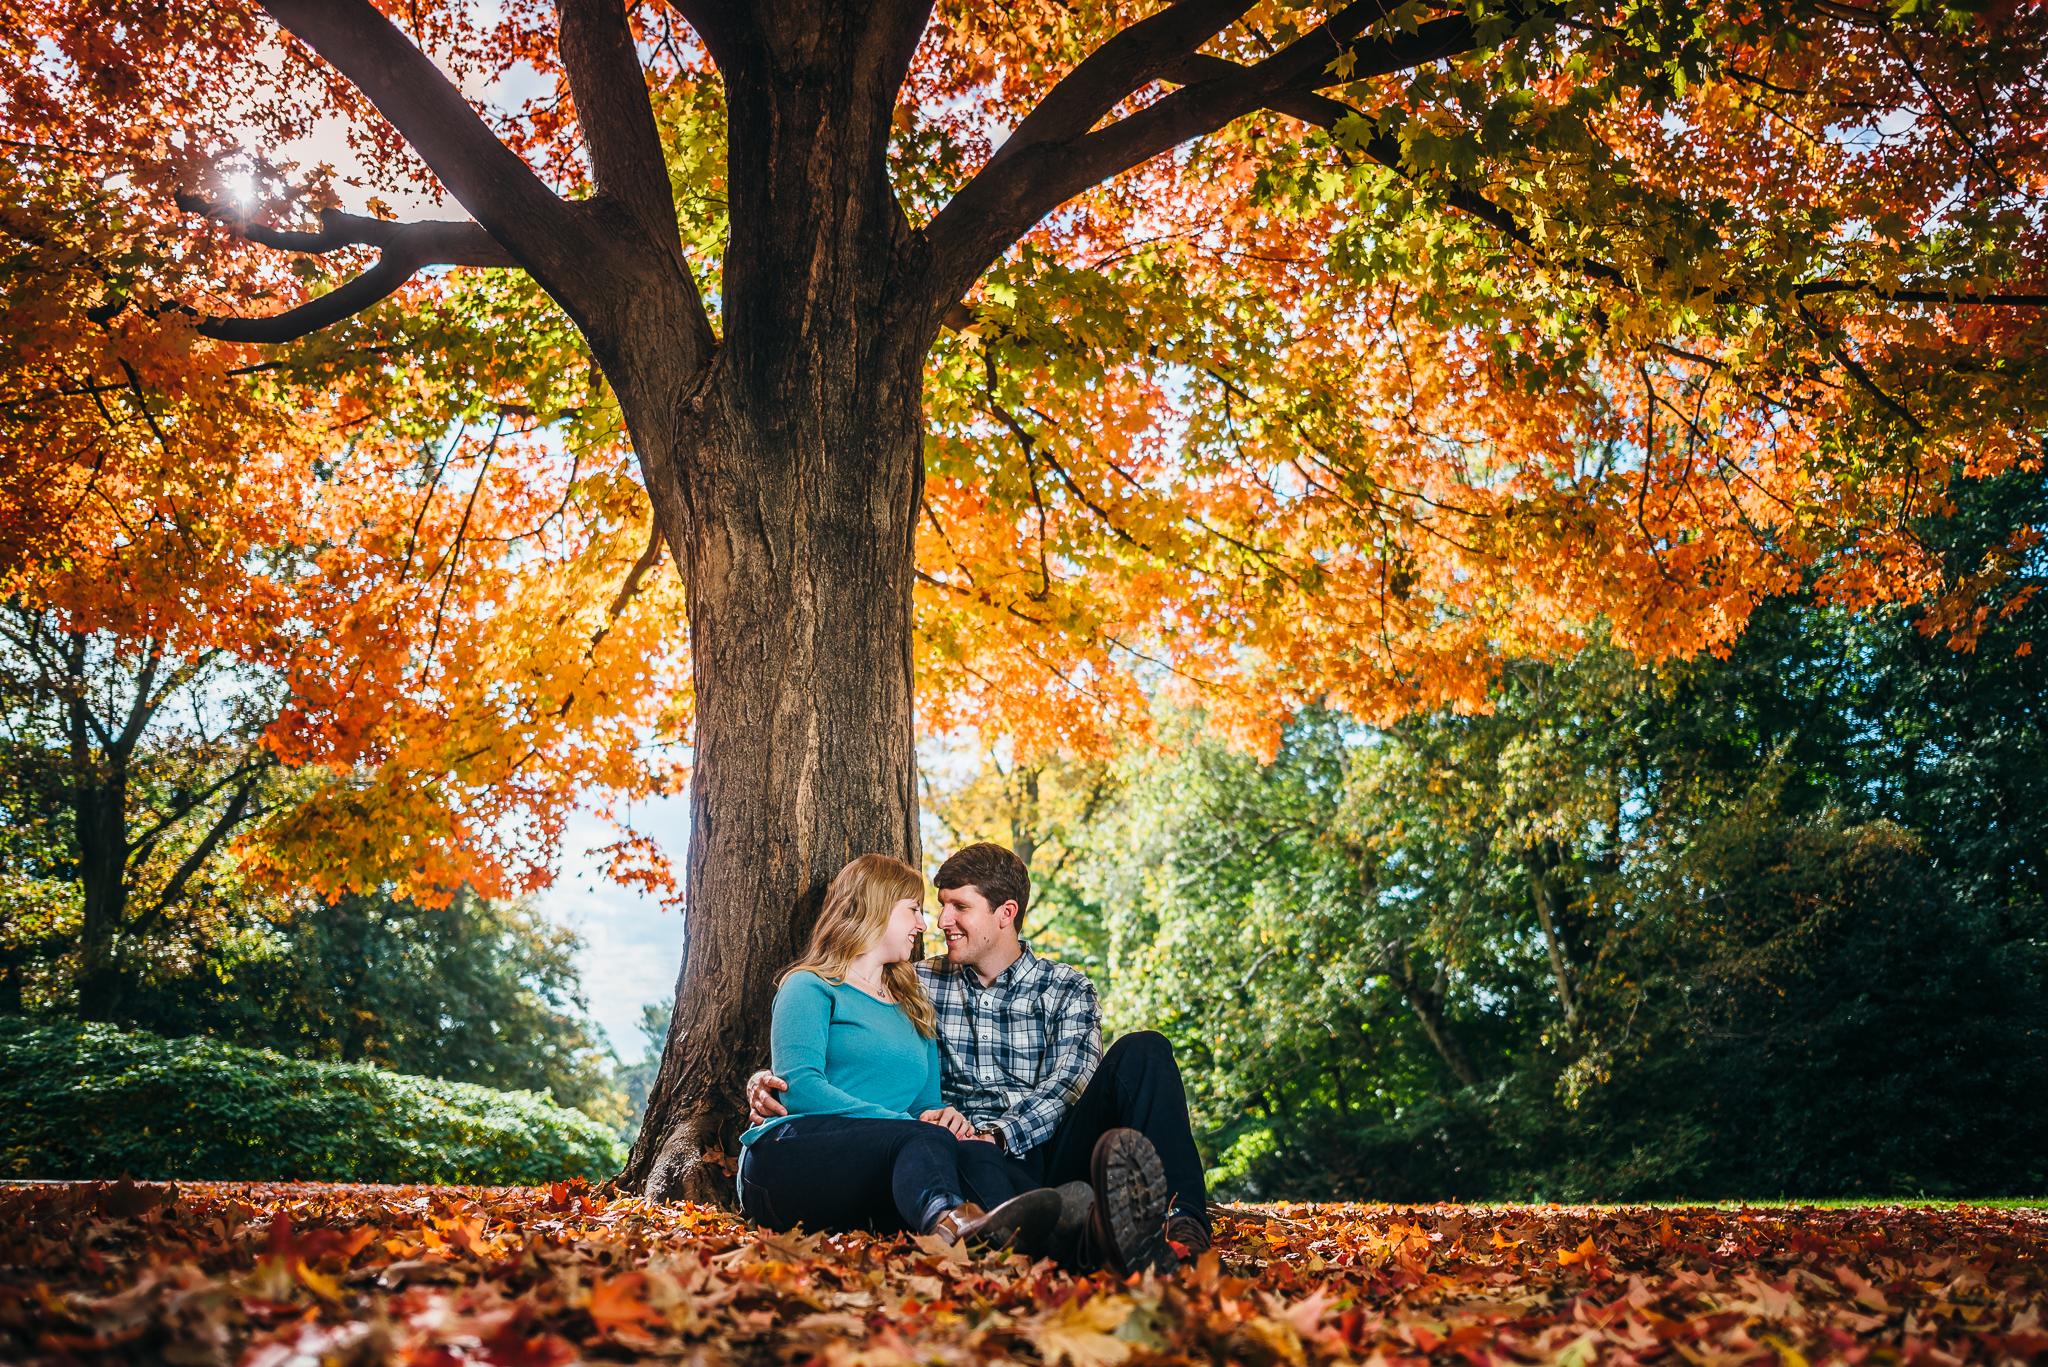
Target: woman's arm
{"points": [[797, 1034], [928, 1095]]}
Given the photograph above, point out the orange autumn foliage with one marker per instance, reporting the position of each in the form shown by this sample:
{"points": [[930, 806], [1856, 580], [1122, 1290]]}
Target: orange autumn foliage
{"points": [[441, 558], [1281, 420]]}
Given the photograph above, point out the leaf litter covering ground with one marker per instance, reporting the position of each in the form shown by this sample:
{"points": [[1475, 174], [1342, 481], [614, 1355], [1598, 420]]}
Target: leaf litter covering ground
{"points": [[301, 1275]]}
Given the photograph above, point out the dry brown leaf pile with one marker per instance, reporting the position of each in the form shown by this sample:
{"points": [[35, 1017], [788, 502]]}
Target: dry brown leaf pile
{"points": [[307, 1275]]}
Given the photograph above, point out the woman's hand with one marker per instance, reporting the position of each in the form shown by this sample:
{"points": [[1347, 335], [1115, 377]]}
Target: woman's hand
{"points": [[950, 1119]]}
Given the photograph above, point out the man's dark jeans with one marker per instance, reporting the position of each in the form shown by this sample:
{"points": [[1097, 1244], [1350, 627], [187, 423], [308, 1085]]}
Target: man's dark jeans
{"points": [[1136, 1086], [840, 1173]]}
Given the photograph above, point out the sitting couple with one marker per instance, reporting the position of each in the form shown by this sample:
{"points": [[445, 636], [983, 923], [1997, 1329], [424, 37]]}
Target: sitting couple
{"points": [[966, 1096]]}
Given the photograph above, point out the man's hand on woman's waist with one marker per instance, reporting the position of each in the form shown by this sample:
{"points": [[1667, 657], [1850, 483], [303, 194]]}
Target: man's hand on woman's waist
{"points": [[761, 1103]]}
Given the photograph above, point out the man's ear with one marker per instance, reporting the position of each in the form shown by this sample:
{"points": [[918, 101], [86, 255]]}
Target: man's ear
{"points": [[1006, 914]]}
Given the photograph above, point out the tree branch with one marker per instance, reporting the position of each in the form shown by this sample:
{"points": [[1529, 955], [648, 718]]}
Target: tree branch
{"points": [[1541, 894], [237, 810], [613, 111], [641, 567], [1008, 196], [1831, 338], [407, 247], [1321, 111], [145, 707], [715, 22], [1919, 294], [485, 176], [163, 823], [1121, 67]]}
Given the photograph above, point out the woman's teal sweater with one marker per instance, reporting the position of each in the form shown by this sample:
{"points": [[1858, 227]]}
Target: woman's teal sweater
{"points": [[844, 1053]]}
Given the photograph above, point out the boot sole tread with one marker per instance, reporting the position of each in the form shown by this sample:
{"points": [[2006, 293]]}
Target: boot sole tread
{"points": [[1136, 1185]]}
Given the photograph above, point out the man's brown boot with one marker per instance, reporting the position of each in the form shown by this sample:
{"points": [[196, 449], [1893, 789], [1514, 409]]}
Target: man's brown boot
{"points": [[1191, 1236], [1129, 1217]]}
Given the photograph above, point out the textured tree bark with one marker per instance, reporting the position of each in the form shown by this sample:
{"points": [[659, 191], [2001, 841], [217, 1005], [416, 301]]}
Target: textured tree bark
{"points": [[796, 478]]}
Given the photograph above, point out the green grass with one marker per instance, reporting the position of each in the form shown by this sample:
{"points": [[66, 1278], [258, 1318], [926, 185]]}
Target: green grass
{"points": [[1857, 1202], [1774, 1203]]}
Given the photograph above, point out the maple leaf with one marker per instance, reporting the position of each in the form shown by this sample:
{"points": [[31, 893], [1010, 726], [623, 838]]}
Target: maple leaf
{"points": [[1768, 1300], [1306, 1315], [1081, 1332], [944, 1252], [619, 1303], [785, 1246], [322, 1286], [1865, 1293]]}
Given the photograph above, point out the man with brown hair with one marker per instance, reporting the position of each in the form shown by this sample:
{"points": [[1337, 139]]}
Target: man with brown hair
{"points": [[1020, 1053]]}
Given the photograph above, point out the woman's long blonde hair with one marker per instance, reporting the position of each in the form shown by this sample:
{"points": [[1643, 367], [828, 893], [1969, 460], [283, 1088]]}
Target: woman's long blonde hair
{"points": [[857, 908]]}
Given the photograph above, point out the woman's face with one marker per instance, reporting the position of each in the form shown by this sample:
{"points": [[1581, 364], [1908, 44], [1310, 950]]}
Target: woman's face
{"points": [[900, 936]]}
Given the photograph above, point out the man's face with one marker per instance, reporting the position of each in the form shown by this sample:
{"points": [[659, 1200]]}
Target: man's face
{"points": [[972, 928]]}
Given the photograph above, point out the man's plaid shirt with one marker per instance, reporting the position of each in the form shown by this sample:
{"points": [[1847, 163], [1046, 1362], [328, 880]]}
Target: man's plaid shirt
{"points": [[1013, 1056]]}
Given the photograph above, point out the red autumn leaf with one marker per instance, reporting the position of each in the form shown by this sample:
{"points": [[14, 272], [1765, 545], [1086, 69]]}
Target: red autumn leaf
{"points": [[616, 1303]]}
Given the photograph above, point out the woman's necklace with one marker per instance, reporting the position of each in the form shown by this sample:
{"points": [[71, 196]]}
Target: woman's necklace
{"points": [[873, 989]]}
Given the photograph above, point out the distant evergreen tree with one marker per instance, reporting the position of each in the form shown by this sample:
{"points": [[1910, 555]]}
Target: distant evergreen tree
{"points": [[479, 990], [635, 1080]]}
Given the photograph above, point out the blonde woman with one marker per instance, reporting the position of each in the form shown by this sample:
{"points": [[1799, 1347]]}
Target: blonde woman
{"points": [[866, 1143]]}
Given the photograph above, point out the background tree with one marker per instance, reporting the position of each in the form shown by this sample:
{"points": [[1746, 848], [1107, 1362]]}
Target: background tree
{"points": [[1462, 331], [364, 569], [1792, 967], [474, 990], [131, 775], [1028, 806]]}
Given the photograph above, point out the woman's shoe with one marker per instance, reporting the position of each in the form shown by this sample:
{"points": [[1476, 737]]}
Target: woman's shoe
{"points": [[1130, 1204], [1025, 1222]]}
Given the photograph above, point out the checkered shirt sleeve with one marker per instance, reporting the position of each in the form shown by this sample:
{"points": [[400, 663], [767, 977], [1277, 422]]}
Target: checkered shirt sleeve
{"points": [[1016, 1054]]}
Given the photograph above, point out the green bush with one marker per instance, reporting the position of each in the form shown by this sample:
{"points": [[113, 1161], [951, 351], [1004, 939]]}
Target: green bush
{"points": [[89, 1101]]}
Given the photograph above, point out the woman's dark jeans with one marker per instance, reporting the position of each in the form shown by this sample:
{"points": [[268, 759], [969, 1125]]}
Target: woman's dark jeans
{"points": [[837, 1173]]}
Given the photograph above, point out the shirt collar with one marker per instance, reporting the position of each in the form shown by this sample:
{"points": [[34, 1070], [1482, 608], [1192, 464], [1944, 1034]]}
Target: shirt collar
{"points": [[1015, 974], [1021, 971]]}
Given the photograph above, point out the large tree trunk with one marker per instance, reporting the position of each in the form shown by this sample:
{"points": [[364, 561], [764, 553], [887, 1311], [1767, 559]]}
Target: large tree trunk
{"points": [[797, 472]]}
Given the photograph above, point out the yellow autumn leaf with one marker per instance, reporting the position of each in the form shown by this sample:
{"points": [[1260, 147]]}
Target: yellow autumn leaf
{"points": [[1081, 1332]]}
